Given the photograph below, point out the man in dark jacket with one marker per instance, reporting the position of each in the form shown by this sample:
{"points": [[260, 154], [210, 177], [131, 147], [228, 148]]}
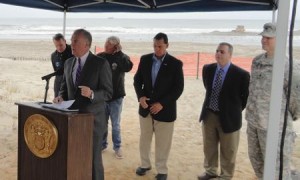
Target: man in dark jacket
{"points": [[226, 96], [119, 63], [158, 84], [58, 57], [88, 81]]}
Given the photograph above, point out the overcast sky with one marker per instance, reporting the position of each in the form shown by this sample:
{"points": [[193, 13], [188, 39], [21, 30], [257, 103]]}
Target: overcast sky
{"points": [[21, 12]]}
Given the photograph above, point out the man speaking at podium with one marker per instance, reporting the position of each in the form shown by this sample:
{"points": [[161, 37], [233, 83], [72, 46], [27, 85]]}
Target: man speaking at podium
{"points": [[88, 81]]}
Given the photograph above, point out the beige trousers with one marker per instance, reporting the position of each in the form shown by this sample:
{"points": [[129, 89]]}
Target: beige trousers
{"points": [[213, 135], [163, 132]]}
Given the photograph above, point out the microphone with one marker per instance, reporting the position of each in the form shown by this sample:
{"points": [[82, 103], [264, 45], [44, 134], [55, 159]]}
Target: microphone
{"points": [[48, 76]]}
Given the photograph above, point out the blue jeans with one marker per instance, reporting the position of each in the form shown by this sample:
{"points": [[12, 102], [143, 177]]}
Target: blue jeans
{"points": [[113, 110]]}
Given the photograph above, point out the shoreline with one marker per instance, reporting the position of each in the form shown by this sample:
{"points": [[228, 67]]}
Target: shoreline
{"points": [[235, 37], [44, 48]]}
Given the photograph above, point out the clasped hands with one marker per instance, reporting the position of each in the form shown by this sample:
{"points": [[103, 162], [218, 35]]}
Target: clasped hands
{"points": [[154, 108]]}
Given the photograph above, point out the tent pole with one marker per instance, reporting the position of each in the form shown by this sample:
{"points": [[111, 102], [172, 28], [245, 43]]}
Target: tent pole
{"points": [[274, 15], [276, 90], [64, 23]]}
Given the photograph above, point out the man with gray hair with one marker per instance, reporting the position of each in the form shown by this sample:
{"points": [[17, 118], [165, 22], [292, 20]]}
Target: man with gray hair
{"points": [[119, 64], [257, 111], [88, 81]]}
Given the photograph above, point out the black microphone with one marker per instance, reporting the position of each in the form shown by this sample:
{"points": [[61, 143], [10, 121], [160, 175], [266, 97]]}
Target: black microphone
{"points": [[49, 76]]}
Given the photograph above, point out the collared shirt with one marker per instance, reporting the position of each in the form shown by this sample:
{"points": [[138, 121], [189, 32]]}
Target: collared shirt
{"points": [[225, 69], [82, 62], [155, 67]]}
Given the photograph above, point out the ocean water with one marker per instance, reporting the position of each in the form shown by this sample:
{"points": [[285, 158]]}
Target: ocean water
{"points": [[178, 30]]}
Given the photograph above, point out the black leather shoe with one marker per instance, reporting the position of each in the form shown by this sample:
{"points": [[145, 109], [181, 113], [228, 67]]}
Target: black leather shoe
{"points": [[161, 176], [206, 176], [142, 171]]}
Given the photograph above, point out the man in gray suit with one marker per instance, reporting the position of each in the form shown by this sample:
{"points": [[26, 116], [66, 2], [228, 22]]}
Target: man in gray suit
{"points": [[88, 80]]}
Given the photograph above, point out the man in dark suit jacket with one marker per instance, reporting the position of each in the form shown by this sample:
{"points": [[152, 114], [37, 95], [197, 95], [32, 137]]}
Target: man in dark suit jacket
{"points": [[158, 83], [222, 112], [58, 58], [91, 87]]}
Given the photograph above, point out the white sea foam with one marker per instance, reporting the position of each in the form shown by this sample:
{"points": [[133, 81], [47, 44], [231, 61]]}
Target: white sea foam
{"points": [[204, 31]]}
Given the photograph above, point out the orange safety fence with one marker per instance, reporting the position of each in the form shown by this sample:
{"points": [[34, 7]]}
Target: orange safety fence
{"points": [[190, 61]]}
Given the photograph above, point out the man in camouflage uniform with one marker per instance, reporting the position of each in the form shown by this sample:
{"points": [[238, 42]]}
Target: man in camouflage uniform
{"points": [[257, 111]]}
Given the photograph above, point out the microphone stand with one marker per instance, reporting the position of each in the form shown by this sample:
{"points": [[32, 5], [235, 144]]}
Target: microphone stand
{"points": [[46, 91], [47, 78]]}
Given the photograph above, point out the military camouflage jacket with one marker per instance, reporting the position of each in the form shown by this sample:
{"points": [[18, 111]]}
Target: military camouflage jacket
{"points": [[257, 110]]}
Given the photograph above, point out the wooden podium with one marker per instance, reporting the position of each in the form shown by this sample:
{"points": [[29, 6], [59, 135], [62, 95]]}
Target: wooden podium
{"points": [[69, 158]]}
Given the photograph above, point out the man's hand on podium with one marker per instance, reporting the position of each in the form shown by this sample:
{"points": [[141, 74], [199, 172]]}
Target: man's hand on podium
{"points": [[58, 99]]}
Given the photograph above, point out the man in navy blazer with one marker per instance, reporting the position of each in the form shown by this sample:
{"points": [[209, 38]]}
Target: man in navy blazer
{"points": [[158, 83], [90, 87], [222, 112]]}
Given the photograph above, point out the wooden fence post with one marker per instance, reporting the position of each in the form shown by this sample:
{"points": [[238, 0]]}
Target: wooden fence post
{"points": [[198, 59]]}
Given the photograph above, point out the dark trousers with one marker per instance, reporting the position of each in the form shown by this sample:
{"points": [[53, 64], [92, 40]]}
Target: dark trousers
{"points": [[100, 126], [57, 82]]}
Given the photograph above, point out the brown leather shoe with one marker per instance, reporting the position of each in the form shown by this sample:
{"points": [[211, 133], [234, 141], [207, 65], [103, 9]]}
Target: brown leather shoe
{"points": [[206, 176]]}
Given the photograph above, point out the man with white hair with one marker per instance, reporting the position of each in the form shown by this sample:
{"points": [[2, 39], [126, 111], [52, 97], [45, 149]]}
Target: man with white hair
{"points": [[257, 111], [88, 81], [119, 64]]}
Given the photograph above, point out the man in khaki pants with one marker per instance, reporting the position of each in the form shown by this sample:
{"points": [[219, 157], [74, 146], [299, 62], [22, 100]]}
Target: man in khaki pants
{"points": [[226, 96], [158, 83]]}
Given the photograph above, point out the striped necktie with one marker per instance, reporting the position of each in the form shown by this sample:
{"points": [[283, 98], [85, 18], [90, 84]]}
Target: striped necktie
{"points": [[78, 72], [214, 97]]}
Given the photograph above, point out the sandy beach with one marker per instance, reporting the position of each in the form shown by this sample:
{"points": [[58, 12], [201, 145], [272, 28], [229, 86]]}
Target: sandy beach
{"points": [[23, 63]]}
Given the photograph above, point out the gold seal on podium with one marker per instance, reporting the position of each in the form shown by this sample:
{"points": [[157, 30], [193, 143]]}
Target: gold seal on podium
{"points": [[40, 135]]}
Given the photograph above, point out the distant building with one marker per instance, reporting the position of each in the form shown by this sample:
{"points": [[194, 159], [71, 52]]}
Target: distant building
{"points": [[239, 28]]}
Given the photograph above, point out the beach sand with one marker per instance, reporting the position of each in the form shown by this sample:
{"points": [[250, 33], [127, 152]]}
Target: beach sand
{"points": [[23, 63]]}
